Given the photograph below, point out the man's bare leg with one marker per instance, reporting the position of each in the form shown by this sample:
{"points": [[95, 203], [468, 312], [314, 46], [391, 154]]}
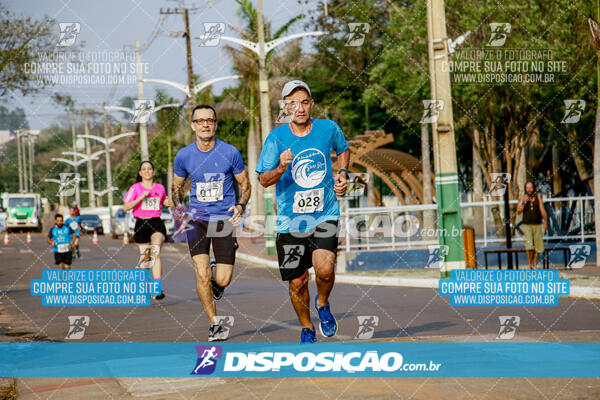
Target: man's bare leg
{"points": [[203, 286], [323, 262], [529, 257], [301, 299], [223, 274]]}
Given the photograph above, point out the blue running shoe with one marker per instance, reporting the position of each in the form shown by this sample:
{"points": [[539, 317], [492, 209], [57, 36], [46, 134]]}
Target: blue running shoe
{"points": [[307, 336], [328, 325]]}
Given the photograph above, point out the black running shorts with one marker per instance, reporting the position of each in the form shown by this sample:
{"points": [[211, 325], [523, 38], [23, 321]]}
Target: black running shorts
{"points": [[64, 258], [221, 236], [294, 249], [146, 227]]}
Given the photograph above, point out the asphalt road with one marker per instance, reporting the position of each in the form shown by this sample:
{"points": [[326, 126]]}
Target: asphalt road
{"points": [[259, 303]]}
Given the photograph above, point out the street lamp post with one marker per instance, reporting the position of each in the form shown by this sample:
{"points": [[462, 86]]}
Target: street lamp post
{"points": [[87, 159], [189, 95], [75, 164], [107, 141], [143, 135]]}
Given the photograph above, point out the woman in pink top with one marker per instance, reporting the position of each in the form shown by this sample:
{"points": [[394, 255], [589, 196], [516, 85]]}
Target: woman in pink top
{"points": [[146, 198]]}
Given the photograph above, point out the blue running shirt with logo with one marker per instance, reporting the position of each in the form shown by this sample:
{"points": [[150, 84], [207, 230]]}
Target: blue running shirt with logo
{"points": [[212, 175], [73, 223], [62, 236], [305, 195]]}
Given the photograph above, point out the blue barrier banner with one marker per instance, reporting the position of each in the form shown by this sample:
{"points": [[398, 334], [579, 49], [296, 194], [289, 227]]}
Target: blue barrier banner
{"points": [[95, 287], [503, 287], [368, 359]]}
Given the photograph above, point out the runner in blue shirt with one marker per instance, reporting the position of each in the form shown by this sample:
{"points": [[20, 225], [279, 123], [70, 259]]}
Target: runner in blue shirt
{"points": [[297, 158], [212, 167], [62, 239], [74, 222]]}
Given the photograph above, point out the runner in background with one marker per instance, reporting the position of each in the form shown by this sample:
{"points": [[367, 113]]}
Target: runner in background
{"points": [[74, 222], [146, 198], [76, 208], [62, 239]]}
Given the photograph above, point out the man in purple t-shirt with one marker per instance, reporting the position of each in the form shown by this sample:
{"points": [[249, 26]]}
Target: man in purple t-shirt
{"points": [[212, 165]]}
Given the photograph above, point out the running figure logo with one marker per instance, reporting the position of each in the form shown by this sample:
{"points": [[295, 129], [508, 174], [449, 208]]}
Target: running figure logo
{"points": [[77, 326], [293, 255], [499, 33], [500, 181], [207, 359], [437, 256], [508, 327], [573, 110], [366, 326], [141, 111], [357, 183], [287, 111], [68, 33], [226, 323], [68, 182], [357, 32], [431, 111], [212, 34], [579, 255]]}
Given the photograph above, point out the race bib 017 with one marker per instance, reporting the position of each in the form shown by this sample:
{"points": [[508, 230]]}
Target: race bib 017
{"points": [[63, 248], [151, 204], [209, 191], [308, 201]]}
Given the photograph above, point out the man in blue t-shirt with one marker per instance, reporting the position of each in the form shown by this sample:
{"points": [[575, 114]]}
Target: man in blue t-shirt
{"points": [[212, 167], [74, 222], [62, 239], [297, 158]]}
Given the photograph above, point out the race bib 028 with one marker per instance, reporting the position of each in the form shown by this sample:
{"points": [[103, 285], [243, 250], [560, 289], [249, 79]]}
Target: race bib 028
{"points": [[209, 191], [151, 204], [308, 201]]}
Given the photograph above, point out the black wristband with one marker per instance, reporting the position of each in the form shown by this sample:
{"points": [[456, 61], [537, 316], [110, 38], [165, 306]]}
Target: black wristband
{"points": [[344, 170], [243, 206]]}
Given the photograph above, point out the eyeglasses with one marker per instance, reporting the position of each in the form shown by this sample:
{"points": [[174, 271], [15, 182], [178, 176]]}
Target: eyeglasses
{"points": [[296, 103], [209, 121]]}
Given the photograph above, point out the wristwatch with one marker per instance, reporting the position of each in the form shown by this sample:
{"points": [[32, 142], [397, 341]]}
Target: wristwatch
{"points": [[242, 205]]}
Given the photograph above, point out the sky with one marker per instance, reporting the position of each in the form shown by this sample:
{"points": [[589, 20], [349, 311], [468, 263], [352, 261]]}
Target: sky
{"points": [[109, 26]]}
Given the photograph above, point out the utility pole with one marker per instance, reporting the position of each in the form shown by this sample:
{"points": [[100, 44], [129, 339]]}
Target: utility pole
{"points": [[75, 167], [444, 145], [30, 143], [188, 47], [265, 126], [143, 133], [24, 161], [20, 162], [108, 167], [90, 170]]}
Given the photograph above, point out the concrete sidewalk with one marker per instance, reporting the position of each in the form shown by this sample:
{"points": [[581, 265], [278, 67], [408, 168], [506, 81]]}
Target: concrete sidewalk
{"points": [[584, 282]]}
